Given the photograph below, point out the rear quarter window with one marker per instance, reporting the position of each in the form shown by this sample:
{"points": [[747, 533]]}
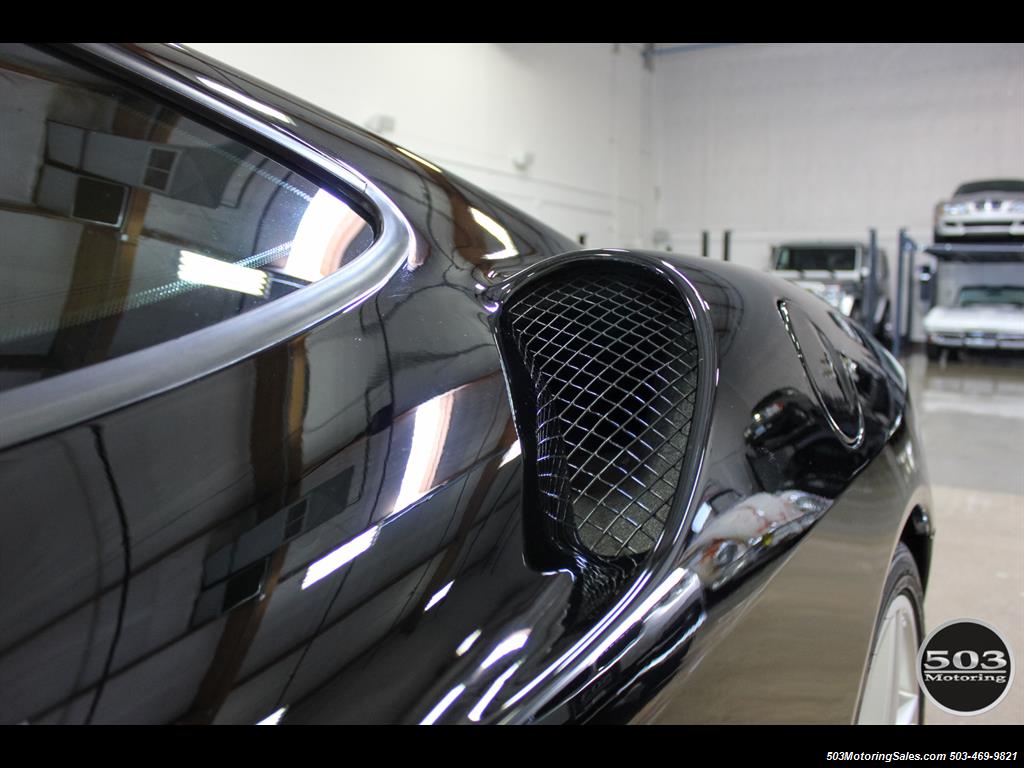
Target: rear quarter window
{"points": [[124, 223]]}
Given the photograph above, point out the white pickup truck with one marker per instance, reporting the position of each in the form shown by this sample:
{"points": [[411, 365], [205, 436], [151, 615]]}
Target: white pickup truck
{"points": [[984, 317], [837, 272]]}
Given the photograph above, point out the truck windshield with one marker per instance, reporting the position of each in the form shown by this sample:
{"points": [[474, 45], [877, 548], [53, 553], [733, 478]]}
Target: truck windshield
{"points": [[821, 257], [973, 296]]}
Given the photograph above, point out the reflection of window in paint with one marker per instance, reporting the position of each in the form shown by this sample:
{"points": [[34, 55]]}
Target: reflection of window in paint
{"points": [[340, 557], [467, 643], [430, 430], [438, 596], [247, 101], [481, 706], [512, 453], [324, 238], [499, 233], [419, 159], [274, 718], [513, 642], [442, 706]]}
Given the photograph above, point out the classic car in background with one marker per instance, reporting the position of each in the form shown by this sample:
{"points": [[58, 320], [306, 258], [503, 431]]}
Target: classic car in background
{"points": [[838, 272], [985, 317], [297, 427], [982, 210]]}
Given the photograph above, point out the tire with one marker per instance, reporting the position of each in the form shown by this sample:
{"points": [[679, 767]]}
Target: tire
{"points": [[934, 352], [896, 698]]}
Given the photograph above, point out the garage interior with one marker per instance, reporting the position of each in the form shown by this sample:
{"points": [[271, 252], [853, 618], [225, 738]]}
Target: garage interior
{"points": [[727, 151]]}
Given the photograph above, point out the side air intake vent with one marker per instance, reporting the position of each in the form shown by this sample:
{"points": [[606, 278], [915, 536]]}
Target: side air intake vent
{"points": [[611, 356]]}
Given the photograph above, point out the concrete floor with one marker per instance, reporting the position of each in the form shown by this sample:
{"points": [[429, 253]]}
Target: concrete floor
{"points": [[971, 418]]}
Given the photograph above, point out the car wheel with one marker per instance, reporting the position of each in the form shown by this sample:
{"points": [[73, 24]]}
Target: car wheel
{"points": [[891, 692], [934, 352]]}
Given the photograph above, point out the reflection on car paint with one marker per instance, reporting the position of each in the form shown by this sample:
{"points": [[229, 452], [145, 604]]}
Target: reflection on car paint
{"points": [[748, 533]]}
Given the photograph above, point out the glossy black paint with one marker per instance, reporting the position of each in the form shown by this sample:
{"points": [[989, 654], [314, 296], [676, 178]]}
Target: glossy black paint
{"points": [[154, 556]]}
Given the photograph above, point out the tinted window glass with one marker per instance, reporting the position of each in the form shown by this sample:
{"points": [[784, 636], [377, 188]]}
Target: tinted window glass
{"points": [[995, 185], [817, 258], [1008, 295], [124, 223]]}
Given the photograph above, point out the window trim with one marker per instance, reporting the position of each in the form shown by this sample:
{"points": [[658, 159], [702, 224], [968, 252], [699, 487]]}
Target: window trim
{"points": [[33, 410]]}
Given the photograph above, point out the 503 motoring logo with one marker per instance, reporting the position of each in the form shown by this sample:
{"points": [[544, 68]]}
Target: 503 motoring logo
{"points": [[965, 667]]}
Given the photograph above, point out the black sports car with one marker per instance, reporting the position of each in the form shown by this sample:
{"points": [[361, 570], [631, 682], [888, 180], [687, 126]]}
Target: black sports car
{"points": [[295, 426]]}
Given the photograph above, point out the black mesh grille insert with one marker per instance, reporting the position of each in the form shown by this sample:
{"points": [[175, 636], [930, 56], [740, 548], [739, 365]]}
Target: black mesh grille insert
{"points": [[612, 357]]}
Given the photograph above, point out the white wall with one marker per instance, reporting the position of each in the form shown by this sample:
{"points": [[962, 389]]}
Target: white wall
{"points": [[583, 110], [783, 141], [772, 141]]}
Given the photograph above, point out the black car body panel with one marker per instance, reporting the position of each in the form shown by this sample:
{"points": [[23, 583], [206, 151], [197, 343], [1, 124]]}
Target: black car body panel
{"points": [[169, 527]]}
